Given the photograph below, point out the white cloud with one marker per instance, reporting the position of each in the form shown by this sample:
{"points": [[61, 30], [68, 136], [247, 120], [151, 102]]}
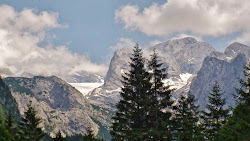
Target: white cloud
{"points": [[243, 38], [20, 35], [123, 43], [183, 35], [154, 42], [199, 17]]}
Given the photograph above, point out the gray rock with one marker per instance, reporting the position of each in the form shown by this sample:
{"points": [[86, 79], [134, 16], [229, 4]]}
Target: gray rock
{"points": [[235, 48], [224, 72], [6, 72], [180, 56], [59, 104]]}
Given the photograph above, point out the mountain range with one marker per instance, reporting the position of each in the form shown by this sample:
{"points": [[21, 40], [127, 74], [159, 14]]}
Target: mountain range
{"points": [[192, 66]]}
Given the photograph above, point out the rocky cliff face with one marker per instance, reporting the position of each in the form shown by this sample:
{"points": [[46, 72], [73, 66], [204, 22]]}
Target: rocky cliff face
{"points": [[59, 104], [225, 68], [82, 77], [79, 77], [118, 64], [185, 58], [7, 101], [235, 48], [181, 56]]}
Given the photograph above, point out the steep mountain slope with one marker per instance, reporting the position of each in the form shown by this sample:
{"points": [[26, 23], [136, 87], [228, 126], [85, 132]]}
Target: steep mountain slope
{"points": [[235, 48], [7, 101], [214, 69], [79, 77], [225, 68], [59, 104], [181, 56]]}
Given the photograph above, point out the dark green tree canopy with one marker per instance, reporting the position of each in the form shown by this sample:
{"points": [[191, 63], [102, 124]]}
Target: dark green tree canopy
{"points": [[160, 101], [59, 136], [143, 112], [130, 119], [186, 119], [89, 136], [238, 126], [29, 125], [215, 115]]}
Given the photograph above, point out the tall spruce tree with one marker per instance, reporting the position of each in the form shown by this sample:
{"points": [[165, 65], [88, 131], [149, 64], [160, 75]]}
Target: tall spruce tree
{"points": [[215, 116], [238, 126], [29, 125], [160, 102], [186, 119], [130, 121]]}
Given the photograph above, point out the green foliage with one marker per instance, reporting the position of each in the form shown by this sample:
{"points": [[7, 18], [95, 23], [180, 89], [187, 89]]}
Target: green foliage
{"points": [[215, 116], [103, 131], [159, 102], [186, 119], [7, 101], [90, 135], [29, 125], [74, 138], [144, 109], [11, 127], [59, 137], [238, 126], [4, 134], [243, 93], [2, 114], [130, 121]]}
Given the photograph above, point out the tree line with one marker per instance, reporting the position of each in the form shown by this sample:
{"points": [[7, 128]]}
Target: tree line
{"points": [[28, 129], [147, 111]]}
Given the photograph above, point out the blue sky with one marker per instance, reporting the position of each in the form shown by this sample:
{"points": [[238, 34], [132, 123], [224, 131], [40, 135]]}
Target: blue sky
{"points": [[90, 30]]}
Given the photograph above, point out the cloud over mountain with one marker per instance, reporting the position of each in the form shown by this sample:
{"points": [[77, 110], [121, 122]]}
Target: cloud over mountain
{"points": [[22, 32], [199, 17]]}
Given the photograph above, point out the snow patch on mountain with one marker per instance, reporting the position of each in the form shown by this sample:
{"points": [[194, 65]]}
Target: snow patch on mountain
{"points": [[177, 82], [85, 88], [185, 76]]}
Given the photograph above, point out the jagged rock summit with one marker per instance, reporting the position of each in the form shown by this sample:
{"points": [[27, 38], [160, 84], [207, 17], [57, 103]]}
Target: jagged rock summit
{"points": [[225, 68], [235, 48], [181, 56]]}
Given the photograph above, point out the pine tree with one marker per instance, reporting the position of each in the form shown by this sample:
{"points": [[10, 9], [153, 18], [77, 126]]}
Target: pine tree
{"points": [[11, 127], [160, 102], [29, 125], [102, 139], [215, 116], [90, 135], [243, 93], [59, 137], [238, 126], [132, 111], [9, 122], [186, 119], [4, 134]]}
